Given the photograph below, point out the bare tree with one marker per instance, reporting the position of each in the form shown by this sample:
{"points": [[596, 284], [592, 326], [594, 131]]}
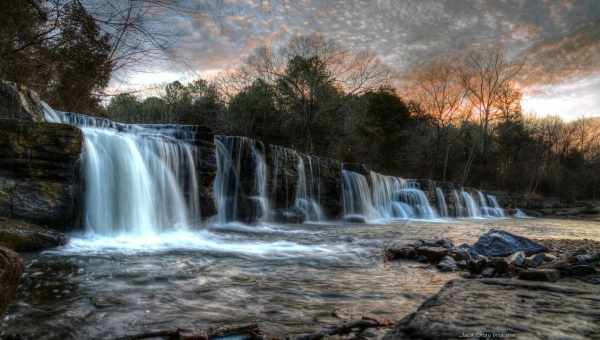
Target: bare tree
{"points": [[440, 91], [486, 74]]}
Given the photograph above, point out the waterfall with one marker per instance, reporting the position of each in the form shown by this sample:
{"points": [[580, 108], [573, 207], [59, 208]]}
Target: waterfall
{"points": [[495, 210], [307, 197], [138, 178], [387, 198], [235, 185], [398, 198], [458, 205], [471, 205], [441, 202], [356, 196]]}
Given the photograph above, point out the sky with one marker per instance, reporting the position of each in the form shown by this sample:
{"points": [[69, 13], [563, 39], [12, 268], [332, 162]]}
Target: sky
{"points": [[558, 40]]}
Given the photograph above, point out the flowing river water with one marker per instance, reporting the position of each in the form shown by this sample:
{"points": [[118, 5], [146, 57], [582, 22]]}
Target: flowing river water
{"points": [[289, 279]]}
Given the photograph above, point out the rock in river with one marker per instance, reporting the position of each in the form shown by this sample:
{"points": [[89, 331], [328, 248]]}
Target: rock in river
{"points": [[23, 237], [501, 243]]}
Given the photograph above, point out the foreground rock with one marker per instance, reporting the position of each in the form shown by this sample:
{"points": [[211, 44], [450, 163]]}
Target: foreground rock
{"points": [[497, 308], [11, 268], [23, 237]]}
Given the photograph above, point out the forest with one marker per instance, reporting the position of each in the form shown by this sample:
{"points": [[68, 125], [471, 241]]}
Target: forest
{"points": [[452, 118]]}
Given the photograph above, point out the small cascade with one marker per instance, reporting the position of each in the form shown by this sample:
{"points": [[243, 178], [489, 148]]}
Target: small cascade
{"points": [[386, 198], [441, 202], [235, 184], [356, 196], [308, 190], [261, 184], [139, 179], [495, 209], [395, 197], [459, 208], [471, 205], [520, 214], [483, 204]]}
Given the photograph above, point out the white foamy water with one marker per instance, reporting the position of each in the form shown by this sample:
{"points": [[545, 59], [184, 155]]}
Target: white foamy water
{"points": [[185, 240]]}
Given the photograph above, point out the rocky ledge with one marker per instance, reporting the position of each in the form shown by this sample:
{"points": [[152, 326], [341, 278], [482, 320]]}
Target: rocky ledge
{"points": [[501, 308], [25, 237], [11, 268]]}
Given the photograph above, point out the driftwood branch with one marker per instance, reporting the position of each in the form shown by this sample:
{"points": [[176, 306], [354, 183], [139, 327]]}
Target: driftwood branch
{"points": [[346, 328], [250, 332]]}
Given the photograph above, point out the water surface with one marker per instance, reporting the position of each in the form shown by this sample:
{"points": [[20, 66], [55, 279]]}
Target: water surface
{"points": [[288, 279]]}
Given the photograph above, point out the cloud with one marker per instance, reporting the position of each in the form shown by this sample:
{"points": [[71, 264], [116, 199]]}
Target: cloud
{"points": [[559, 39]]}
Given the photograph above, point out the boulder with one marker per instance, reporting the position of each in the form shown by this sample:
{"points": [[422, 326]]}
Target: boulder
{"points": [[354, 219], [549, 275], [488, 272], [402, 253], [535, 261], [517, 259], [549, 257], [477, 264], [24, 237], [20, 103], [505, 308], [447, 264], [501, 243], [432, 254], [11, 269], [39, 173], [294, 216]]}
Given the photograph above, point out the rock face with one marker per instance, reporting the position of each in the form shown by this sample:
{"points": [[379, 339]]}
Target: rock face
{"points": [[39, 172], [24, 237], [11, 268], [501, 243], [20, 103], [507, 308]]}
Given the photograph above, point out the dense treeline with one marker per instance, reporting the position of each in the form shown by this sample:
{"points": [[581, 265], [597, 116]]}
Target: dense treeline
{"points": [[461, 122], [457, 121]]}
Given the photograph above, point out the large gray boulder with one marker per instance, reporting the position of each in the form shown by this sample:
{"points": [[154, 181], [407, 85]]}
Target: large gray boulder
{"points": [[11, 269], [501, 243]]}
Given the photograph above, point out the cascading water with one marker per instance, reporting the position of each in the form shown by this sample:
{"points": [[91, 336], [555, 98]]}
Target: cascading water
{"points": [[441, 202], [307, 197], [495, 210], [471, 205], [233, 183], [459, 209], [140, 179], [387, 198], [395, 197], [356, 196]]}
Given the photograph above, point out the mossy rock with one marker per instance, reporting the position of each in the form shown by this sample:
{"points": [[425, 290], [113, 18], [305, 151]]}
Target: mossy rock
{"points": [[25, 237]]}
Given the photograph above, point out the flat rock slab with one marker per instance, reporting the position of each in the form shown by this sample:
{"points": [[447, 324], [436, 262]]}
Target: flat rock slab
{"points": [[506, 308]]}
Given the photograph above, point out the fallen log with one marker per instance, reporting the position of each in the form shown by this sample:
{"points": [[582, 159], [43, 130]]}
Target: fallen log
{"points": [[249, 332], [346, 328]]}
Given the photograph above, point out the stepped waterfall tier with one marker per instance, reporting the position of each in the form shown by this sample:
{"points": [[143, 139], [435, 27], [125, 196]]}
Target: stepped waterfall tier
{"points": [[144, 179], [384, 197]]}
